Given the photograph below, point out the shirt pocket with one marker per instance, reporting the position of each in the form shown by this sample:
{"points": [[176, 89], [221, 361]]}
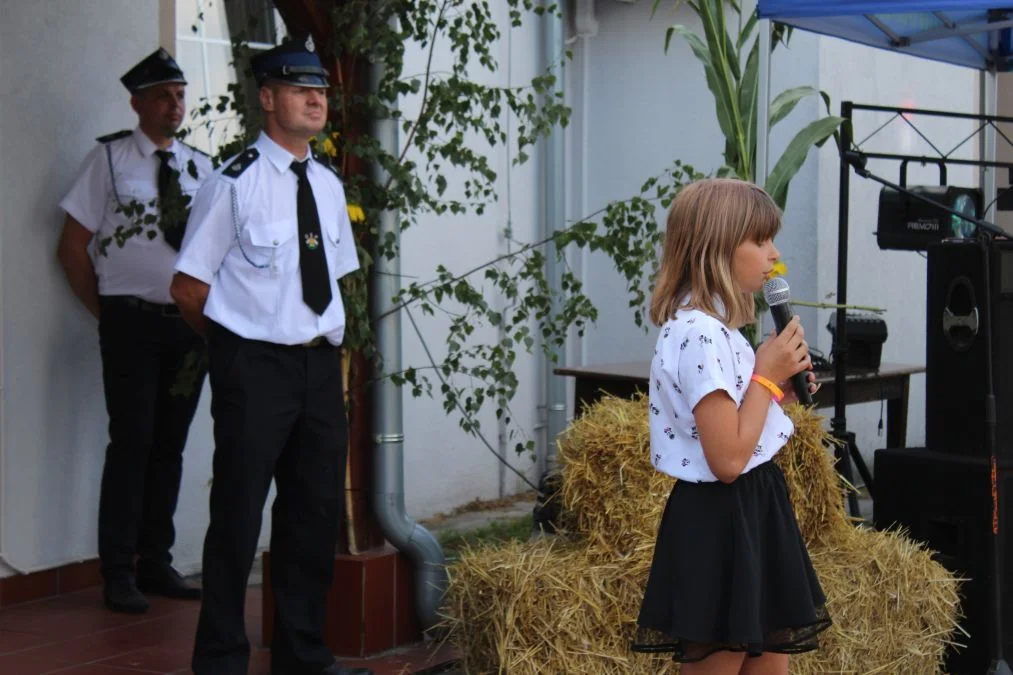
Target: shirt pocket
{"points": [[341, 250], [269, 261], [272, 245], [131, 200], [132, 204], [132, 189], [331, 229]]}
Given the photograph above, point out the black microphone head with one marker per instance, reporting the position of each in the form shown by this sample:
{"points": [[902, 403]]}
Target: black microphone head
{"points": [[776, 291]]}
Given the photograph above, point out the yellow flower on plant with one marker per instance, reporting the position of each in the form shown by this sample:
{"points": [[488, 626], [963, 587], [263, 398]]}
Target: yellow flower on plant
{"points": [[780, 269], [355, 213], [330, 149]]}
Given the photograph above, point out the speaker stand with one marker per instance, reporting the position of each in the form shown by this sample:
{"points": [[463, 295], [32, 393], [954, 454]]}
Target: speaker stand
{"points": [[999, 665], [999, 668], [845, 452]]}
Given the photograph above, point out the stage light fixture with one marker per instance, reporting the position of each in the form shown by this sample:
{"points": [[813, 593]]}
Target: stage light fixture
{"points": [[909, 224]]}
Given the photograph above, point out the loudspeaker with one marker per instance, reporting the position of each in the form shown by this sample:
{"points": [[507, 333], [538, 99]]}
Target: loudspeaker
{"points": [[956, 364], [945, 500]]}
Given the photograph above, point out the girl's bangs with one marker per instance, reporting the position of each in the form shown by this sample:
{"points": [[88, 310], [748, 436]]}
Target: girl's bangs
{"points": [[765, 221]]}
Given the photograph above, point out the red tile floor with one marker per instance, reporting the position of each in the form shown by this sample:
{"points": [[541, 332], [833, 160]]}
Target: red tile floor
{"points": [[74, 634]]}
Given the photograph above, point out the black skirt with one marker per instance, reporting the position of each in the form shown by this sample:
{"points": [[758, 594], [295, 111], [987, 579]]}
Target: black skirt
{"points": [[731, 572]]}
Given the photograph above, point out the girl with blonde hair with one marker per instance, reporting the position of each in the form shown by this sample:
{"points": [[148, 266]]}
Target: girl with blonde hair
{"points": [[731, 587]]}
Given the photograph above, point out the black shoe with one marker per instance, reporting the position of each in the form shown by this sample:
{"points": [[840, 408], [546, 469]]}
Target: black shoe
{"points": [[121, 595], [162, 579], [337, 669]]}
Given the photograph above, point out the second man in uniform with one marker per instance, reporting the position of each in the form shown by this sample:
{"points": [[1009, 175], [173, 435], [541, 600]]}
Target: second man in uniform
{"points": [[268, 239]]}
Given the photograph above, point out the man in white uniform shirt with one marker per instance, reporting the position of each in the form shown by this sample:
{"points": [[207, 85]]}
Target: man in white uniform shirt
{"points": [[268, 238], [144, 342]]}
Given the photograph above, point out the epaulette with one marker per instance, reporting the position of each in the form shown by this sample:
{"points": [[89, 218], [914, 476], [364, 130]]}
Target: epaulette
{"points": [[114, 137], [325, 161], [241, 163]]}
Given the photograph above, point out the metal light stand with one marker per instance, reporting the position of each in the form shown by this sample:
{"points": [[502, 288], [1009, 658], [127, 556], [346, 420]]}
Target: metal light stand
{"points": [[838, 423], [851, 158]]}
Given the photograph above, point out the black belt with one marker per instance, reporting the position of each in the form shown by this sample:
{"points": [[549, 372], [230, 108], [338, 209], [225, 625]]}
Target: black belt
{"points": [[139, 303]]}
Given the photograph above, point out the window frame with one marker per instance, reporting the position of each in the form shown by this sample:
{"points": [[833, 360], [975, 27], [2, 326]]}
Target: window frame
{"points": [[186, 35]]}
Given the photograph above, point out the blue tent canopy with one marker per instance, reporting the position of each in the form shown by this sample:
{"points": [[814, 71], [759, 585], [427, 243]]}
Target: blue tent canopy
{"points": [[972, 33]]}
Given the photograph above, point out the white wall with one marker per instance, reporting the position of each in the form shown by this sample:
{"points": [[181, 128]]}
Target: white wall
{"points": [[52, 106], [894, 280], [645, 109], [445, 467]]}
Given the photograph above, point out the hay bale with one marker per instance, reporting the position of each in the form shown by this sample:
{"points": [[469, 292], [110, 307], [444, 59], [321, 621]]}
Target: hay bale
{"points": [[612, 495], [816, 491], [570, 605], [894, 608], [546, 606]]}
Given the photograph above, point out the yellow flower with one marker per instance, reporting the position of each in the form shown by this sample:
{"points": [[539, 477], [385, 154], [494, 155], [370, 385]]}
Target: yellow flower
{"points": [[780, 269], [355, 213], [329, 148]]}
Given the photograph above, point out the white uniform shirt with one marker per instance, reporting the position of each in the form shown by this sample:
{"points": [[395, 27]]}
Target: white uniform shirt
{"points": [[250, 258], [143, 267], [695, 355]]}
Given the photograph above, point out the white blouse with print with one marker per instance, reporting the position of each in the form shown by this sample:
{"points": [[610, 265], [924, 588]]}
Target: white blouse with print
{"points": [[695, 355]]}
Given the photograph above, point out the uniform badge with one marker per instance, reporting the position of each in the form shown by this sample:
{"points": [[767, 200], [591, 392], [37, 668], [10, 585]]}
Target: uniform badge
{"points": [[309, 44], [312, 242]]}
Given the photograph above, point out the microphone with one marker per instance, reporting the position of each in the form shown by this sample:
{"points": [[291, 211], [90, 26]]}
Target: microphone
{"points": [[777, 295]]}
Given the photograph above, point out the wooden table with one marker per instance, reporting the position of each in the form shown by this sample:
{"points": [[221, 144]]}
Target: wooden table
{"points": [[891, 383]]}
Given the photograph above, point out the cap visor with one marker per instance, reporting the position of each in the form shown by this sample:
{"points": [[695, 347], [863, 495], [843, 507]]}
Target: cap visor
{"points": [[148, 85], [308, 81]]}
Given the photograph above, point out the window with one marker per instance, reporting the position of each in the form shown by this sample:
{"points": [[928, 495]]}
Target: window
{"points": [[204, 33]]}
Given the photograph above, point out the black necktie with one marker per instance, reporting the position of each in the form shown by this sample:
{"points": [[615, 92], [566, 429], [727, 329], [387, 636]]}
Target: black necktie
{"points": [[170, 201], [316, 286]]}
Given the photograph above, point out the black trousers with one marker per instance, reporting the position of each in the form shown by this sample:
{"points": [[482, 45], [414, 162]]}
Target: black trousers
{"points": [[278, 413], [143, 352]]}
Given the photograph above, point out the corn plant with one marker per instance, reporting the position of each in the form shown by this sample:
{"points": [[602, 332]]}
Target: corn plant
{"points": [[732, 76]]}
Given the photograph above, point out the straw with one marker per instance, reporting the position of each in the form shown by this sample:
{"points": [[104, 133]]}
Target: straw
{"points": [[568, 604]]}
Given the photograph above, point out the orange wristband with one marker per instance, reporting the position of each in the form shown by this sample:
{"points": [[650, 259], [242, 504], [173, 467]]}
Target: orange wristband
{"points": [[775, 391]]}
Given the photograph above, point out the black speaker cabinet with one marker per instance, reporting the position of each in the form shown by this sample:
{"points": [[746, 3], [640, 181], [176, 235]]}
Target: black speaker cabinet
{"points": [[956, 364], [944, 500]]}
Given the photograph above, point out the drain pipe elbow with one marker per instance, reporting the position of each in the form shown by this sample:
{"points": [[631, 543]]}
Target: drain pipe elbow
{"points": [[414, 541]]}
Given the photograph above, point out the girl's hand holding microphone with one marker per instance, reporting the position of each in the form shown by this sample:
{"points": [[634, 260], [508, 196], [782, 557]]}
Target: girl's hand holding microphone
{"points": [[781, 356]]}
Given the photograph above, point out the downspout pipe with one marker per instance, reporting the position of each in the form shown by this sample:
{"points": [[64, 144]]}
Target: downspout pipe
{"points": [[553, 220], [388, 501]]}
